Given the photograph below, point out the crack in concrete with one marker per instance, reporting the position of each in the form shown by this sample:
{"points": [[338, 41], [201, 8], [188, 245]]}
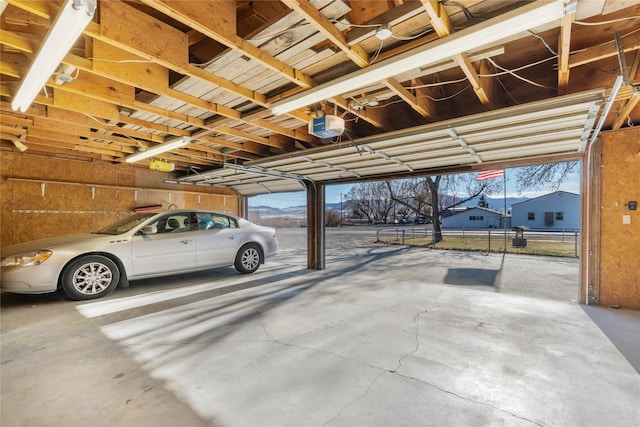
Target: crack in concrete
{"points": [[416, 319], [301, 347], [363, 395], [468, 398], [417, 337]]}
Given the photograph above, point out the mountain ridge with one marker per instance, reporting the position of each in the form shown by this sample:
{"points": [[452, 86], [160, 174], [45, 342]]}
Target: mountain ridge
{"points": [[495, 203]]}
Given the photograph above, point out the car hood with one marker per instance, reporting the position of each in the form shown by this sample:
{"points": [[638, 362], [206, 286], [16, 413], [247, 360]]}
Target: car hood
{"points": [[61, 242]]}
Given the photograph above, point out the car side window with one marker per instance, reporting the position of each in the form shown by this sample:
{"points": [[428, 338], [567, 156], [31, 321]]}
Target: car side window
{"points": [[173, 223], [213, 221]]}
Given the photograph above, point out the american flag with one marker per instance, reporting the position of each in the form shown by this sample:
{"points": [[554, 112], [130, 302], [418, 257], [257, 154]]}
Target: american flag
{"points": [[495, 173]]}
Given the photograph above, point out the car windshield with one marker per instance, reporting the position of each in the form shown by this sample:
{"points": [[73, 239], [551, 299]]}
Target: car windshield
{"points": [[126, 224]]}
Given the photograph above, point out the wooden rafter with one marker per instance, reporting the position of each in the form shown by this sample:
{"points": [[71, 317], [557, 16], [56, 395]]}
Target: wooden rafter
{"points": [[443, 27], [191, 14], [354, 52], [624, 113], [157, 85], [149, 70], [603, 51], [564, 45]]}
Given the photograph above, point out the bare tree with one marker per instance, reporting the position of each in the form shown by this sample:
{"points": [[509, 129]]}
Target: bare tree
{"points": [[544, 176], [431, 195], [331, 218], [371, 200]]}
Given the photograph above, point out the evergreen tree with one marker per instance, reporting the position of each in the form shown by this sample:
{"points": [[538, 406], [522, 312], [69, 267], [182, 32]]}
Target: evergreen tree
{"points": [[482, 202]]}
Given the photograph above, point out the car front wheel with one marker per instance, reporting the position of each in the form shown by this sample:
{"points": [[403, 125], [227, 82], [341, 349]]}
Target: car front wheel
{"points": [[90, 277], [248, 259]]}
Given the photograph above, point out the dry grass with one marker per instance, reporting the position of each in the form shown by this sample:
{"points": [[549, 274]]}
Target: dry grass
{"points": [[544, 247]]}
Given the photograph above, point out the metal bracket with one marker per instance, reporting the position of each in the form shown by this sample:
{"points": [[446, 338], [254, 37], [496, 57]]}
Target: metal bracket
{"points": [[621, 60]]}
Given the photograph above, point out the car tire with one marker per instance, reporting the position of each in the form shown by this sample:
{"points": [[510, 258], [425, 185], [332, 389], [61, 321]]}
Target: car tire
{"points": [[248, 258], [90, 277]]}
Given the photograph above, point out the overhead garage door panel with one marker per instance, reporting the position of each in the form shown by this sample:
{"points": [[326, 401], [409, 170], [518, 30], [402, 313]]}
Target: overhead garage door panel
{"points": [[552, 127]]}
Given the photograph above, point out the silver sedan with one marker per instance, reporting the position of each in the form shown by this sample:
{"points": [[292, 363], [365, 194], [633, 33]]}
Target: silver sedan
{"points": [[143, 245]]}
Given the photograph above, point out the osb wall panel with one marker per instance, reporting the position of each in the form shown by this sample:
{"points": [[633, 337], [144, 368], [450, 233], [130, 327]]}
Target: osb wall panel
{"points": [[619, 226], [70, 196]]}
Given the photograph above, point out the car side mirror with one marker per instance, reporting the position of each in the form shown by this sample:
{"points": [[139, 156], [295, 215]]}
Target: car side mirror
{"points": [[149, 229]]}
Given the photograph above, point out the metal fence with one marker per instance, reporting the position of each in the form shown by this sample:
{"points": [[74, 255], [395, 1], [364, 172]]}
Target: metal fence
{"points": [[549, 243]]}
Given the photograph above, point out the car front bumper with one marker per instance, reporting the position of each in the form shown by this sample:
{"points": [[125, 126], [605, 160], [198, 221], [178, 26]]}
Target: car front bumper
{"points": [[36, 279]]}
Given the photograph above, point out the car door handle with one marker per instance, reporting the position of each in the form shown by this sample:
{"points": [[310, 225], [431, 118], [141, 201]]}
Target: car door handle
{"points": [[231, 237], [185, 242]]}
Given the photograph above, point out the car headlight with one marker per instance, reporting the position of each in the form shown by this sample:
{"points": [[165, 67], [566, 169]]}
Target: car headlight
{"points": [[26, 259]]}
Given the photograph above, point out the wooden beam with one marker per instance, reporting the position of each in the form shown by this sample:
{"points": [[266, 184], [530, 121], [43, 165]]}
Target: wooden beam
{"points": [[129, 73], [439, 18], [15, 41], [312, 15], [470, 72], [408, 97], [564, 47], [123, 32], [603, 51], [197, 15], [401, 13], [631, 103], [443, 27]]}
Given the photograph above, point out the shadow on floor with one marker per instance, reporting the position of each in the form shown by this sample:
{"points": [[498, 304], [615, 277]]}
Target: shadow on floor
{"points": [[622, 327], [471, 277]]}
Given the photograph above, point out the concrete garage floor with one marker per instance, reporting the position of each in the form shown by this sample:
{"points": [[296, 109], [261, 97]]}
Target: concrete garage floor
{"points": [[385, 336]]}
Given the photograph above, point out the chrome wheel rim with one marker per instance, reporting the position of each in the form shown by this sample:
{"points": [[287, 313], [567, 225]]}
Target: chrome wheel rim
{"points": [[250, 258], [92, 278]]}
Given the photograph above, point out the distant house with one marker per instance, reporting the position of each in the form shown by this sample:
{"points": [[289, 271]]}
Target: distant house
{"points": [[472, 218], [555, 211]]}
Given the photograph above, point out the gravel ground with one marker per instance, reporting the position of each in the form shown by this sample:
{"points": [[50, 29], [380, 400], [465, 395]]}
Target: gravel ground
{"points": [[295, 239]]}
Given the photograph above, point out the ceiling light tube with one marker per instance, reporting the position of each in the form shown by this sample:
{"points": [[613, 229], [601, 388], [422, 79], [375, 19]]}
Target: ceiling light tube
{"points": [[158, 149], [485, 33], [73, 18]]}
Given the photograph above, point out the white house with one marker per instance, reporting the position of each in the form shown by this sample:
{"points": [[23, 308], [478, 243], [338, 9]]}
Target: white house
{"points": [[472, 218], [554, 211]]}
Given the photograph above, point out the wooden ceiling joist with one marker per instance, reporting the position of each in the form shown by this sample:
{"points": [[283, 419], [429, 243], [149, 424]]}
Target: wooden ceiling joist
{"points": [[150, 70]]}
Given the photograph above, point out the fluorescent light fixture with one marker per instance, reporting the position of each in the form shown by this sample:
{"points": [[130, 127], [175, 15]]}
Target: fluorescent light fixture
{"points": [[485, 33], [73, 18], [158, 149]]}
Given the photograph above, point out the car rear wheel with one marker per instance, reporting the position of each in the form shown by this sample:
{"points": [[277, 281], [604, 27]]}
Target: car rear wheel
{"points": [[90, 277], [248, 259]]}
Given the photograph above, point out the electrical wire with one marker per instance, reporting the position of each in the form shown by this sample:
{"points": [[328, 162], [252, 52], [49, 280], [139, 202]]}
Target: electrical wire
{"points": [[507, 92], [613, 21], [338, 21], [464, 9], [436, 84], [553, 52], [408, 38], [518, 76], [377, 53], [513, 70], [110, 125], [446, 98], [504, 72]]}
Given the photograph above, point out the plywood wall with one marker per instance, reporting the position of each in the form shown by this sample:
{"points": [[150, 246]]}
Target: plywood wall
{"points": [[44, 197], [619, 227]]}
